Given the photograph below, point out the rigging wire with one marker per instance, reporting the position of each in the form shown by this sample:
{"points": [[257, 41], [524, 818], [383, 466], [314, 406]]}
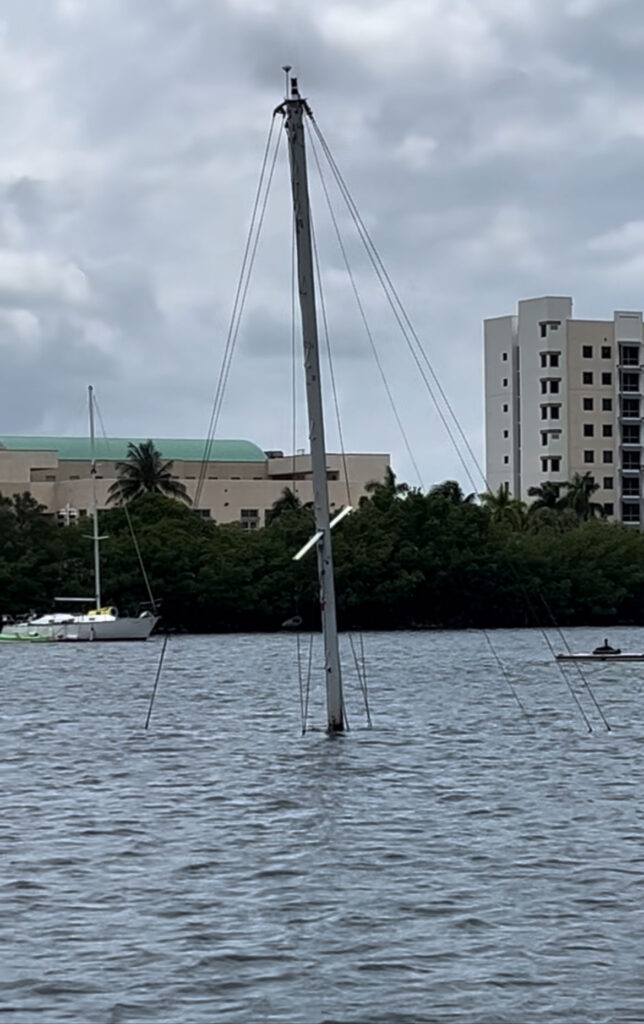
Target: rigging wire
{"points": [[250, 251], [130, 524], [156, 679], [299, 680], [576, 663], [390, 293], [384, 279], [361, 310], [336, 403], [327, 345], [413, 343], [361, 672]]}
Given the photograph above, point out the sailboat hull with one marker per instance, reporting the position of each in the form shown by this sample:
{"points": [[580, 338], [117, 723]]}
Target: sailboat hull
{"points": [[81, 629]]}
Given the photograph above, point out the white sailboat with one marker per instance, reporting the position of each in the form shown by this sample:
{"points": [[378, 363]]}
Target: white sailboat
{"points": [[97, 623]]}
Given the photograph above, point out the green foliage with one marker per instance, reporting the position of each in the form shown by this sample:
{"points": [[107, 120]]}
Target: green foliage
{"points": [[403, 559]]}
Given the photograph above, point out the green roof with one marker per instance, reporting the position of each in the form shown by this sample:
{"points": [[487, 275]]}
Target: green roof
{"points": [[78, 448]]}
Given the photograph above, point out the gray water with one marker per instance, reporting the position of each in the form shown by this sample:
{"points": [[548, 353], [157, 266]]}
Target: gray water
{"points": [[457, 862]]}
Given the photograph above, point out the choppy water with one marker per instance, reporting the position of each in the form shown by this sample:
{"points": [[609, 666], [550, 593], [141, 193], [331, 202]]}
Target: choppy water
{"points": [[451, 864]]}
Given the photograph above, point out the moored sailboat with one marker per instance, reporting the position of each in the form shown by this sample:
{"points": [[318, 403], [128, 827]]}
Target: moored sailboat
{"points": [[97, 623]]}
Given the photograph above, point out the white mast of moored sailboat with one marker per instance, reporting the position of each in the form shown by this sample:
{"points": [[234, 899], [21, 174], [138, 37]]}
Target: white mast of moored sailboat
{"points": [[95, 536], [294, 107]]}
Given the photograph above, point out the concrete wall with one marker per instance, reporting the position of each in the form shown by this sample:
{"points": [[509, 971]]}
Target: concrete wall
{"points": [[229, 489]]}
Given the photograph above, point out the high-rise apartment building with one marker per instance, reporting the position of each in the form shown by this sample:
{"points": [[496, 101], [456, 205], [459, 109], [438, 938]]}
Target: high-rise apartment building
{"points": [[564, 396]]}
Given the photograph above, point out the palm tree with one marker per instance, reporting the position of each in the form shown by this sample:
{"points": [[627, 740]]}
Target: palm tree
{"points": [[580, 491], [144, 471], [504, 508], [384, 493], [451, 491], [546, 495], [287, 502]]}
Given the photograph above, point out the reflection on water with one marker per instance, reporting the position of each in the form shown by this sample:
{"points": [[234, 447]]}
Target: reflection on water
{"points": [[452, 864]]}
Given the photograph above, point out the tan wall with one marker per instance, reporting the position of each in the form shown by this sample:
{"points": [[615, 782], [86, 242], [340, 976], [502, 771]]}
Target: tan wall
{"points": [[227, 489], [597, 334]]}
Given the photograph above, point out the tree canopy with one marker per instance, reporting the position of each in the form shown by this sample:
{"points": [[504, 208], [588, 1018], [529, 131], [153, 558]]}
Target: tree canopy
{"points": [[403, 559]]}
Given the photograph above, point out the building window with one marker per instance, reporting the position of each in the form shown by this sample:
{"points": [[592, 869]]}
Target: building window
{"points": [[631, 433], [630, 512], [588, 404], [608, 508], [607, 404], [630, 382], [554, 412], [74, 477], [249, 518], [608, 483], [505, 408], [630, 355], [544, 386], [587, 351], [544, 437], [506, 433], [607, 457], [587, 377], [554, 387], [589, 430], [50, 477], [505, 382], [544, 359], [554, 359], [543, 330], [555, 463], [631, 408], [607, 378], [204, 513], [605, 351], [589, 455], [544, 412], [631, 487], [544, 465], [607, 430], [631, 460], [506, 459], [504, 357]]}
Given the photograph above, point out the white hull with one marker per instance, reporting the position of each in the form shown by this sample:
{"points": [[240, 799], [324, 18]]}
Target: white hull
{"points": [[82, 628]]}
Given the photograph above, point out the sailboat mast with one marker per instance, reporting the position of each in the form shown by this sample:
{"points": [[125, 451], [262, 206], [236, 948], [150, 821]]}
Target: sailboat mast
{"points": [[294, 108], [95, 536]]}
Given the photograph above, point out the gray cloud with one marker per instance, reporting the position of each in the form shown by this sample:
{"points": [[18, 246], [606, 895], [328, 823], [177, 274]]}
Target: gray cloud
{"points": [[493, 149]]}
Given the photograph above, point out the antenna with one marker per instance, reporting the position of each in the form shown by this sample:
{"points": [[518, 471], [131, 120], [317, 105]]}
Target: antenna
{"points": [[286, 68]]}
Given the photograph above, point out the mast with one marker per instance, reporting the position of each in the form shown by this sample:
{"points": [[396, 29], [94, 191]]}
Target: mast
{"points": [[294, 109], [95, 536]]}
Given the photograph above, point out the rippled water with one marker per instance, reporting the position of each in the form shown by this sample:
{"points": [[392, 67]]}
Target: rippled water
{"points": [[457, 862]]}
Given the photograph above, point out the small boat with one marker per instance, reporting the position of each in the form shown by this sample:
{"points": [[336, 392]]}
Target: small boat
{"points": [[605, 652]]}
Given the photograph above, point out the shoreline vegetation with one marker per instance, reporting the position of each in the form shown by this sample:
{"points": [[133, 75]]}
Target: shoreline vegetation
{"points": [[403, 560]]}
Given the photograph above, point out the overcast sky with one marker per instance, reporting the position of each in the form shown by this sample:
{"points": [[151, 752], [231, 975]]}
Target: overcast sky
{"points": [[495, 148]]}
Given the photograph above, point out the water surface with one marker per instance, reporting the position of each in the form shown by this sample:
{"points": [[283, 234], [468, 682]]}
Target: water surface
{"points": [[457, 862]]}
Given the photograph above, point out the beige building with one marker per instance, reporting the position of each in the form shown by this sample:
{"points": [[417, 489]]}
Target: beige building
{"points": [[240, 481], [564, 396]]}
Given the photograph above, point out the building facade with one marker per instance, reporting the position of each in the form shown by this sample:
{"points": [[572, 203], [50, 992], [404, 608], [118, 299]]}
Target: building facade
{"points": [[239, 481], [564, 396]]}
